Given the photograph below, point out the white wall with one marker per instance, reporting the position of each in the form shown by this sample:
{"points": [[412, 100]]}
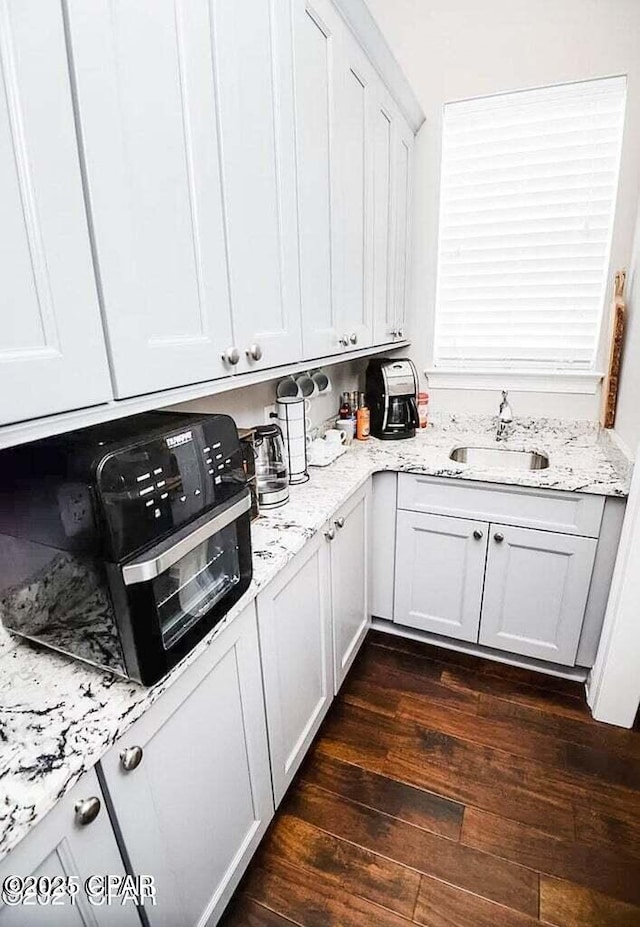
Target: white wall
{"points": [[628, 414], [246, 404], [455, 49]]}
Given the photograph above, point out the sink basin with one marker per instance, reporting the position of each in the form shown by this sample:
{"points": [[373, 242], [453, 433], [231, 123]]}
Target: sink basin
{"points": [[502, 457]]}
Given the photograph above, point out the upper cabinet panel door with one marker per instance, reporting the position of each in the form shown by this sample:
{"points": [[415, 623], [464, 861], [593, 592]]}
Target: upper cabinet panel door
{"points": [[146, 95], [439, 573], [383, 244], [354, 81], [403, 152], [52, 351], [252, 56], [317, 27], [536, 592]]}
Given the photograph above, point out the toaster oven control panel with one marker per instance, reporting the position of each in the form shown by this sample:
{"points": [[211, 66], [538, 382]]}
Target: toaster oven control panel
{"points": [[151, 488]]}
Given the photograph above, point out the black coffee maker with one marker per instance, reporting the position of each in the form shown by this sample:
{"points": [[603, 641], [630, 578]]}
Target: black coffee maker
{"points": [[391, 389]]}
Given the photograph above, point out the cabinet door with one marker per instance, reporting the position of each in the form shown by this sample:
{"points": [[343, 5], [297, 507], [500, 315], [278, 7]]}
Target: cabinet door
{"points": [[295, 642], [194, 810], [317, 27], [52, 352], [252, 56], [439, 573], [147, 104], [59, 847], [350, 581], [352, 152], [536, 592], [402, 186], [383, 130]]}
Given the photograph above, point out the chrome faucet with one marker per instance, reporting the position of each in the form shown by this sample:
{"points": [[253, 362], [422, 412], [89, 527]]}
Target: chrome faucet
{"points": [[505, 417]]}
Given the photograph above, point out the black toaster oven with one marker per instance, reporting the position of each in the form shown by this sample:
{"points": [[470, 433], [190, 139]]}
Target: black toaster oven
{"points": [[124, 544]]}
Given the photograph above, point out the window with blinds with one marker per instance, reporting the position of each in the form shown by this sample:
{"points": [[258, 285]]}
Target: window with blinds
{"points": [[528, 195]]}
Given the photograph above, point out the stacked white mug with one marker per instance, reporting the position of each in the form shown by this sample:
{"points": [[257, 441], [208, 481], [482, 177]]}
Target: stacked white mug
{"points": [[292, 413]]}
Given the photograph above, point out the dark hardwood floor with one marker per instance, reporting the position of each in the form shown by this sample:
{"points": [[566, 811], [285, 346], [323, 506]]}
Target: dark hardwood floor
{"points": [[449, 791]]}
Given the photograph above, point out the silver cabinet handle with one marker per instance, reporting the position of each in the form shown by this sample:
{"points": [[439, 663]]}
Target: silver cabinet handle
{"points": [[87, 810], [344, 341], [353, 338], [339, 522], [255, 352], [394, 332], [330, 534], [231, 356], [498, 537], [478, 535], [131, 758]]}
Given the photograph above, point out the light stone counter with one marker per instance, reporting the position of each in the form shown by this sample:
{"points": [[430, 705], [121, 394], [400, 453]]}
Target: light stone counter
{"points": [[58, 716]]}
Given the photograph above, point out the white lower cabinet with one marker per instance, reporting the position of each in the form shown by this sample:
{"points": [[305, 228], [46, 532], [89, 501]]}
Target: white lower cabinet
{"points": [[194, 809], [349, 565], [536, 592], [60, 847], [294, 617], [508, 587], [312, 620], [439, 573]]}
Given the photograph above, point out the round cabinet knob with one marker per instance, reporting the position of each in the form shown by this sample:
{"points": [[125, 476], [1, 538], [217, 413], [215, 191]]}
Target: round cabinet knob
{"points": [[401, 333], [394, 333], [477, 535], [131, 758], [330, 534], [254, 352], [231, 356], [87, 810], [344, 341], [498, 537], [353, 338], [339, 522]]}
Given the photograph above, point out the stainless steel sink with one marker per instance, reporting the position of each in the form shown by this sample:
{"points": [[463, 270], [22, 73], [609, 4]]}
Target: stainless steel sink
{"points": [[501, 457]]}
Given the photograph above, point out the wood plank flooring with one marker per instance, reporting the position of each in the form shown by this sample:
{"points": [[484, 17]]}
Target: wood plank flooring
{"points": [[449, 791]]}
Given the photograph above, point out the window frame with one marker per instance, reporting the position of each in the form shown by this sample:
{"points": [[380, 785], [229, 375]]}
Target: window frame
{"points": [[542, 377]]}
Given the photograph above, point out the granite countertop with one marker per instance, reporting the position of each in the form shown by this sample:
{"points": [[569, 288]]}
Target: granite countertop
{"points": [[58, 716]]}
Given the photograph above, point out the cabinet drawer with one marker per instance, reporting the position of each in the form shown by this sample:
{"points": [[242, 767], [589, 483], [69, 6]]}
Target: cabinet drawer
{"points": [[545, 509]]}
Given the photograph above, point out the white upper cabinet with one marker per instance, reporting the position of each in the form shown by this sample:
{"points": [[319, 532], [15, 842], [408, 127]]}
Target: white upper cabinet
{"points": [[317, 28], [52, 355], [252, 55], [147, 104], [392, 143], [193, 189], [402, 190], [354, 179], [354, 85], [383, 247]]}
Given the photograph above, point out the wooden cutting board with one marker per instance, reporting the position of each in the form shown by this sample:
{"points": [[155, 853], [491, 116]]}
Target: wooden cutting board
{"points": [[610, 385]]}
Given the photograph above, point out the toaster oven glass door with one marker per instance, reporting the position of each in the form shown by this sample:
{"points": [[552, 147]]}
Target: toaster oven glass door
{"points": [[175, 593], [191, 587]]}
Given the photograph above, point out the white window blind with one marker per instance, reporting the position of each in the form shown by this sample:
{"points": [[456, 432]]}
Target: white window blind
{"points": [[528, 194]]}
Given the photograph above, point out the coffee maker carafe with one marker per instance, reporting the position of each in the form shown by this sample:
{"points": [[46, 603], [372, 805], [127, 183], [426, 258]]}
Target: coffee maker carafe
{"points": [[391, 388]]}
